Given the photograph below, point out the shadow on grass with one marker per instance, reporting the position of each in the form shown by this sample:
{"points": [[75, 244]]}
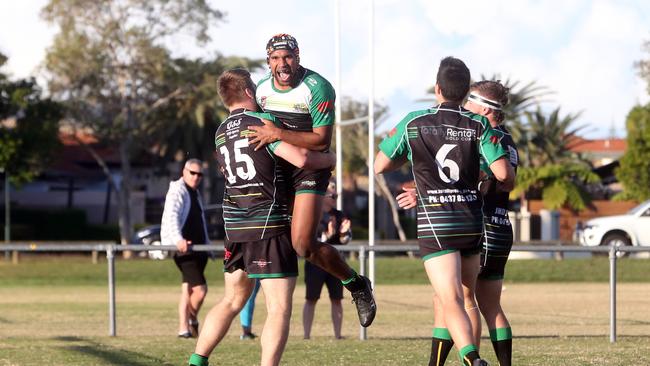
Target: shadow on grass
{"points": [[110, 355]]}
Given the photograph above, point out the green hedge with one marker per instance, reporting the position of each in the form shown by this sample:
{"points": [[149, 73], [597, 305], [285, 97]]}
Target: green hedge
{"points": [[59, 224]]}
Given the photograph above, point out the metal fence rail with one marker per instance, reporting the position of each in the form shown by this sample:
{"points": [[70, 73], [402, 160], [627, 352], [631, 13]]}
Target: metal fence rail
{"points": [[356, 246]]}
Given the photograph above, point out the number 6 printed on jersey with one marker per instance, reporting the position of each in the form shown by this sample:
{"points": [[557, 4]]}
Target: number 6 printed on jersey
{"points": [[443, 162]]}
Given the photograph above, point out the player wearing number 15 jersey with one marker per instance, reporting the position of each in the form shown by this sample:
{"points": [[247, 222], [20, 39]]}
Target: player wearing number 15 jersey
{"points": [[444, 145], [258, 242]]}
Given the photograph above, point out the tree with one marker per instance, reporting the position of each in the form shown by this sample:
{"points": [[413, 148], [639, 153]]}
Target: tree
{"points": [[643, 66], [548, 165], [559, 184], [194, 116], [355, 153], [547, 139], [108, 63], [634, 171], [29, 128], [355, 136]]}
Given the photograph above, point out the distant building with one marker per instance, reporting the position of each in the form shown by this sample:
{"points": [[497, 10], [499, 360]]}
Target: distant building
{"points": [[604, 155], [75, 180], [600, 151]]}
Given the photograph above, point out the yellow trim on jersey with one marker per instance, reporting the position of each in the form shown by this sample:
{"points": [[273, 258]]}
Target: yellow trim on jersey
{"points": [[255, 227], [245, 195]]}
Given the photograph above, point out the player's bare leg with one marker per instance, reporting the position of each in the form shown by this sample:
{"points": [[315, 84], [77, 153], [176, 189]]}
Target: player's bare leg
{"points": [[488, 295], [469, 273], [442, 342], [278, 293], [238, 288], [444, 273], [307, 211]]}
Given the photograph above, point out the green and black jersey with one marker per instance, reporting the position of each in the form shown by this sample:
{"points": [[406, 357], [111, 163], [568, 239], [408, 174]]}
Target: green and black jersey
{"points": [[495, 201], [255, 196], [307, 105], [444, 145], [498, 238]]}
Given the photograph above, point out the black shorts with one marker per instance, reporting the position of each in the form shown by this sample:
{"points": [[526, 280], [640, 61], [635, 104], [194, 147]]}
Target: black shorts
{"points": [[268, 258], [466, 245], [310, 181], [495, 250], [315, 277], [192, 267]]}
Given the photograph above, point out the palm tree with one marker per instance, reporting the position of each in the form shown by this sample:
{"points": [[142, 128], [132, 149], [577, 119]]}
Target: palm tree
{"points": [[521, 97], [557, 184], [547, 139], [548, 165]]}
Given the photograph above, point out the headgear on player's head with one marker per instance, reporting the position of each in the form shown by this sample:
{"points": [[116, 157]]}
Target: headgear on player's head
{"points": [[282, 41]]}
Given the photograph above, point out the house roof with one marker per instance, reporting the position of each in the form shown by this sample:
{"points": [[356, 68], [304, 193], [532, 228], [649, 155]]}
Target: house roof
{"points": [[74, 159], [598, 145]]}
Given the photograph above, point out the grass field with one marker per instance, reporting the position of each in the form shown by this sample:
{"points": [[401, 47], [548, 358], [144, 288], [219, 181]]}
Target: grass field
{"points": [[54, 311]]}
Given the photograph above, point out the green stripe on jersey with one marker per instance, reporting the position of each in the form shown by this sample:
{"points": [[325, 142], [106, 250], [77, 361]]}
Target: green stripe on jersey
{"points": [[272, 275]]}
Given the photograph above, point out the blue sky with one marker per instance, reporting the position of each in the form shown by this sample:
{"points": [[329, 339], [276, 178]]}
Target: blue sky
{"points": [[583, 50]]}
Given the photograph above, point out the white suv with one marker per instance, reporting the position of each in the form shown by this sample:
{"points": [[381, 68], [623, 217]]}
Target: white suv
{"points": [[632, 228]]}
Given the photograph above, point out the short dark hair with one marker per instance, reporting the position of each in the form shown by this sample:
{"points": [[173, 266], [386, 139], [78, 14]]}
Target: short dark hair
{"points": [[453, 79], [232, 85]]}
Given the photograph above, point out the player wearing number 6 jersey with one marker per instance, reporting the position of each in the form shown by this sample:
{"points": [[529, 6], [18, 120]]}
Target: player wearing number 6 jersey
{"points": [[444, 145], [487, 98], [258, 242]]}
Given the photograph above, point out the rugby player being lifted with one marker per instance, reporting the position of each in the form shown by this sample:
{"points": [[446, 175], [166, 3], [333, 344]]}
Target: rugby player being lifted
{"points": [[304, 103]]}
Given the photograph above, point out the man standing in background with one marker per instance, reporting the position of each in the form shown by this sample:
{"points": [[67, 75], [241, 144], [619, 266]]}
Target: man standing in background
{"points": [[183, 225]]}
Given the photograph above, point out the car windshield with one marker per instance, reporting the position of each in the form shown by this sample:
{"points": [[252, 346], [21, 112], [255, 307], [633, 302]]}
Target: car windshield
{"points": [[638, 208]]}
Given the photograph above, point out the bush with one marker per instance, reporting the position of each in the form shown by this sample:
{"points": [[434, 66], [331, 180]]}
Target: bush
{"points": [[57, 224]]}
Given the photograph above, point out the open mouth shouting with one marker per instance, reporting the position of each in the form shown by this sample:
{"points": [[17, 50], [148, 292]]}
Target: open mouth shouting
{"points": [[283, 64], [283, 76]]}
